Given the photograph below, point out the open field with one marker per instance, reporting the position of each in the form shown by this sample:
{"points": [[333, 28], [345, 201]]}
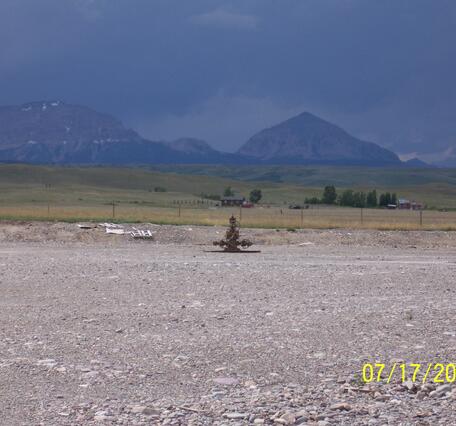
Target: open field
{"points": [[100, 329], [318, 176], [76, 194], [258, 217], [96, 185]]}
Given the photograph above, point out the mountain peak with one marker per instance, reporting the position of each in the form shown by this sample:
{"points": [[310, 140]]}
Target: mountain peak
{"points": [[307, 138]]}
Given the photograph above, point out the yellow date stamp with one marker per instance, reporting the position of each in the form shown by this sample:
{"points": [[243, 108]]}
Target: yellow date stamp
{"points": [[414, 372]]}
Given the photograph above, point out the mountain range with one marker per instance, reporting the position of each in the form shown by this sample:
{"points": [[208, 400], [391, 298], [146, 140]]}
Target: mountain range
{"points": [[60, 133]]}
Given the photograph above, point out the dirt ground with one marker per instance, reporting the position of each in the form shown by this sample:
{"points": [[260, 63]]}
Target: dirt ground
{"points": [[104, 329]]}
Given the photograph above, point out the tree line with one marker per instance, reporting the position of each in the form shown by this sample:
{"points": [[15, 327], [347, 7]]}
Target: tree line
{"points": [[351, 198]]}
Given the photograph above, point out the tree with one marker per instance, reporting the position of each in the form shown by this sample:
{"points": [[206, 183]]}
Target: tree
{"points": [[347, 198], [394, 198], [385, 199], [255, 195], [359, 199], [329, 195], [228, 192], [371, 199]]}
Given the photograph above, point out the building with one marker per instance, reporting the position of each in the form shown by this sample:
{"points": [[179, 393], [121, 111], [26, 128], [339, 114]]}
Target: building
{"points": [[417, 206], [404, 204], [235, 200], [409, 205]]}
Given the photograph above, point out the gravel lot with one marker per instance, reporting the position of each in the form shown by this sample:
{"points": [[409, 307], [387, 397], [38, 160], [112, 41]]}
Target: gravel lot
{"points": [[101, 329]]}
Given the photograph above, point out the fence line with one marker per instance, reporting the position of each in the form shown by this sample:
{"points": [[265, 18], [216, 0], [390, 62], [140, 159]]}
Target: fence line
{"points": [[255, 217]]}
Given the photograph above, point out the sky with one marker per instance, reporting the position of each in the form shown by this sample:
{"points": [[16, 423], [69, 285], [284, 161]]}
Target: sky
{"points": [[223, 70]]}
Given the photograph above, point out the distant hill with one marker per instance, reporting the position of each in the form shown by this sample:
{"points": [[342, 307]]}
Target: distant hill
{"points": [[199, 151], [55, 132], [307, 139], [416, 163], [60, 133]]}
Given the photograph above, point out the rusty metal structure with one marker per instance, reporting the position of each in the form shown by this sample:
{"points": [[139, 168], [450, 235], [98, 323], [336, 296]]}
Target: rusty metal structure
{"points": [[232, 242]]}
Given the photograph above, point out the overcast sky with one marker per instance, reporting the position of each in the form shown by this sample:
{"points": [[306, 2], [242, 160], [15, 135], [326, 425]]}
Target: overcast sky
{"points": [[222, 70]]}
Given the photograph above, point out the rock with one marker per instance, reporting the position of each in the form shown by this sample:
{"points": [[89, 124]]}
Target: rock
{"points": [[440, 391], [420, 395], [236, 416], [381, 397], [90, 375], [226, 381], [409, 385], [147, 411], [47, 362], [288, 418], [101, 416], [341, 406]]}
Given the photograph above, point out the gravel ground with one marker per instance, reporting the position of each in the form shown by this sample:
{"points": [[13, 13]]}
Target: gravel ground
{"points": [[101, 329]]}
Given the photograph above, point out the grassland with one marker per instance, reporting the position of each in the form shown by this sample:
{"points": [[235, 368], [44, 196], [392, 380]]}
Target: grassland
{"points": [[434, 187], [77, 194]]}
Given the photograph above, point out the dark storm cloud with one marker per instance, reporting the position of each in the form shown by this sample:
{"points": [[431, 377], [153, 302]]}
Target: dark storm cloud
{"points": [[223, 69]]}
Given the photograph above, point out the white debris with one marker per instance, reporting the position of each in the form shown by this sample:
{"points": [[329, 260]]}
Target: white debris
{"points": [[142, 234], [115, 231], [110, 225]]}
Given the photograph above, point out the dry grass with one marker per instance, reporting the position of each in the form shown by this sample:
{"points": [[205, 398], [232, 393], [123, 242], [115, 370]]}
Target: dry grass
{"points": [[258, 217]]}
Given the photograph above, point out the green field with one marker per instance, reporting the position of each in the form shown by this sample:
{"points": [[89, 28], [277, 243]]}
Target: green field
{"points": [[77, 193], [343, 176]]}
